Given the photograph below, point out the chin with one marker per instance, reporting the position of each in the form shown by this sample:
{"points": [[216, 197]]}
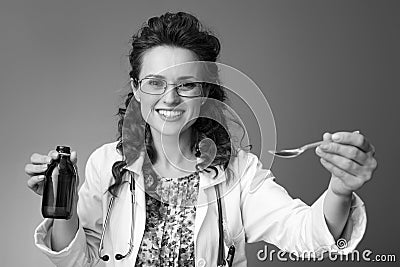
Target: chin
{"points": [[169, 132], [165, 129]]}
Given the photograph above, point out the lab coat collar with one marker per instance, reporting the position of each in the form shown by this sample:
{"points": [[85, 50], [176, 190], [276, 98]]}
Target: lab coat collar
{"points": [[136, 166], [206, 178]]}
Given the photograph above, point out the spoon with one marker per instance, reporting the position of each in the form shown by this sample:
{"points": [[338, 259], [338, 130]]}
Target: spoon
{"points": [[292, 153]]}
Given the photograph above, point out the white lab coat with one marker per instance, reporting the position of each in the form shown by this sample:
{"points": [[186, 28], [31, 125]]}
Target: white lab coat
{"points": [[256, 208]]}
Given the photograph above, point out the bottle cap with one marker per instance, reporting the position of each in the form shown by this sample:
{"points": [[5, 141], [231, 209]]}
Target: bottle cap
{"points": [[63, 149]]}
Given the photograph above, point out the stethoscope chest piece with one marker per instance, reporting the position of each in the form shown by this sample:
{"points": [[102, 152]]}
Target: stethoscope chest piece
{"points": [[221, 251], [118, 256]]}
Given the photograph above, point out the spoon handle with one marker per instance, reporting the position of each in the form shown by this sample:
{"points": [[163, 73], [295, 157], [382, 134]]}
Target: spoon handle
{"points": [[308, 146]]}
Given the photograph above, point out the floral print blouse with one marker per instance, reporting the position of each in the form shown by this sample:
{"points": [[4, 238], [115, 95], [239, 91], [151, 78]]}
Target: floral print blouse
{"points": [[168, 238]]}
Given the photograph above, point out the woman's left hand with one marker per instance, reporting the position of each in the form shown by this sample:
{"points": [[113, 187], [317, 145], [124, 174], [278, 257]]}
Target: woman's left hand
{"points": [[350, 159]]}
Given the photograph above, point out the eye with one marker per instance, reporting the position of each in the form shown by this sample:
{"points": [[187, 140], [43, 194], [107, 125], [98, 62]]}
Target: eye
{"points": [[155, 82], [188, 85]]}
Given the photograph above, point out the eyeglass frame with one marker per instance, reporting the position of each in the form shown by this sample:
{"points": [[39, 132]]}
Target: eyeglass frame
{"points": [[176, 85]]}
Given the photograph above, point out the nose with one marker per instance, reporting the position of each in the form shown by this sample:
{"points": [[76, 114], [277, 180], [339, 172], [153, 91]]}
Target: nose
{"points": [[171, 95]]}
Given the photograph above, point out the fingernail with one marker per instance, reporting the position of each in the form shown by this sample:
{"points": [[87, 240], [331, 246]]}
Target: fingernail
{"points": [[336, 137], [324, 146]]}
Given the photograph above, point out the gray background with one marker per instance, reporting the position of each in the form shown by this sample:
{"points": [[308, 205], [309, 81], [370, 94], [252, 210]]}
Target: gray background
{"points": [[323, 66]]}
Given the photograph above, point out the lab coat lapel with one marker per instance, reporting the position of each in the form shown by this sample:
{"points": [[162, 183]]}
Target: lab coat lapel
{"points": [[121, 219], [139, 214], [139, 206], [120, 222], [206, 195]]}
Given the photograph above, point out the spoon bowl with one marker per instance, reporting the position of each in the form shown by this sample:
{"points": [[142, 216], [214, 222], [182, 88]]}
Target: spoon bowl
{"points": [[292, 153]]}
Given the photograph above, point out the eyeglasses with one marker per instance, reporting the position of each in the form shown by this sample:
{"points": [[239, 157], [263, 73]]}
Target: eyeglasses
{"points": [[156, 86]]}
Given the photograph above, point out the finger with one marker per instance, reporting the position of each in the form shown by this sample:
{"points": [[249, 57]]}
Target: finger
{"points": [[372, 151], [371, 163], [34, 181], [35, 169], [347, 151], [74, 157], [355, 139], [341, 162], [53, 154], [40, 159]]}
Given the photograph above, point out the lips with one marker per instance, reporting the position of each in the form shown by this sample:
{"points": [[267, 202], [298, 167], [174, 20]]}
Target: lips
{"points": [[170, 114]]}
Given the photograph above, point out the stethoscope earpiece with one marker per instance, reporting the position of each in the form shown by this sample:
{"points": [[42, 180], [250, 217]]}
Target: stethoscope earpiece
{"points": [[105, 258]]}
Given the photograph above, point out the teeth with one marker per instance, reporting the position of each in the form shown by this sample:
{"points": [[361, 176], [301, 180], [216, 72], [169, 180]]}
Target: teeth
{"points": [[169, 113]]}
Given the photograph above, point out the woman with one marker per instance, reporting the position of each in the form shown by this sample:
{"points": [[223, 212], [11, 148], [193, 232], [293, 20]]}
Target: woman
{"points": [[168, 222]]}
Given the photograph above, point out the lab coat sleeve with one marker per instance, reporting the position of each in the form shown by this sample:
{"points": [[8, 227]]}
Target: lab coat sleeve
{"points": [[270, 214], [82, 251]]}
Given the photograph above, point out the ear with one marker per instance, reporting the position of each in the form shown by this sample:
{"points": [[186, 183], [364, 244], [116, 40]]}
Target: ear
{"points": [[135, 90]]}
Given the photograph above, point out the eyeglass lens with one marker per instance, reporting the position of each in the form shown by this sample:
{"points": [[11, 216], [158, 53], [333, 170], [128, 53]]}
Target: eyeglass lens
{"points": [[158, 87]]}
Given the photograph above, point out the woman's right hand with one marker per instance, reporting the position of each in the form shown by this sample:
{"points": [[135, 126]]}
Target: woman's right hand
{"points": [[36, 169]]}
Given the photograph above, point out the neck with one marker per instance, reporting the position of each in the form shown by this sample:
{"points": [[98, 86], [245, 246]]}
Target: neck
{"points": [[173, 152]]}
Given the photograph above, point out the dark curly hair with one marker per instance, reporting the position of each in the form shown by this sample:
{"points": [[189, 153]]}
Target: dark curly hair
{"points": [[181, 30]]}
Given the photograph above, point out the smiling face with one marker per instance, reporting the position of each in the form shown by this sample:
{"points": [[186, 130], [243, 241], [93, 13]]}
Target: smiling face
{"points": [[169, 113]]}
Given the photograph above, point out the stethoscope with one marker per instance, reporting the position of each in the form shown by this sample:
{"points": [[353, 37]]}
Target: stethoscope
{"points": [[221, 250]]}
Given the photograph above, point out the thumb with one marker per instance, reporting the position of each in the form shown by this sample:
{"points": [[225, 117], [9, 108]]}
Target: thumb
{"points": [[74, 160], [74, 157], [327, 136]]}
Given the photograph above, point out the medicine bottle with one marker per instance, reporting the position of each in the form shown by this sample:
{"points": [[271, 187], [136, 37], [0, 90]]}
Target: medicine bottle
{"points": [[59, 186]]}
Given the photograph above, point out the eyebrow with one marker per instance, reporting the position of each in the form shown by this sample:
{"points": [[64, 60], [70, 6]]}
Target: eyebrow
{"points": [[163, 77]]}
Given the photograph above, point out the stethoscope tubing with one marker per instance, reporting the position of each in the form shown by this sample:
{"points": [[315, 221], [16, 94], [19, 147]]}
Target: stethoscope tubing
{"points": [[105, 257], [101, 246], [221, 251]]}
